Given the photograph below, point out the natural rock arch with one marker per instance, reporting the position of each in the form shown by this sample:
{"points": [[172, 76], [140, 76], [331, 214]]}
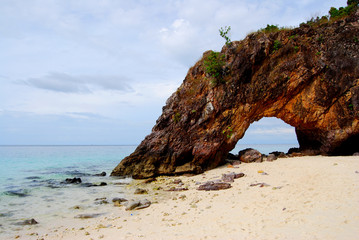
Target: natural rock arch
{"points": [[273, 133], [311, 83]]}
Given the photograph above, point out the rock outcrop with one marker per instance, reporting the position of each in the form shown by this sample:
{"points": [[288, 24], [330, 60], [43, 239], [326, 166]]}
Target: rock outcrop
{"points": [[308, 77]]}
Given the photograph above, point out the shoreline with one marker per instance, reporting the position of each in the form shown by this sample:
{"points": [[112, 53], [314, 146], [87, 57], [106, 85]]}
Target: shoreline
{"points": [[311, 197]]}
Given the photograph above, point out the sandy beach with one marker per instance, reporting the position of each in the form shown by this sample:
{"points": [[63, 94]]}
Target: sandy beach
{"points": [[290, 198]]}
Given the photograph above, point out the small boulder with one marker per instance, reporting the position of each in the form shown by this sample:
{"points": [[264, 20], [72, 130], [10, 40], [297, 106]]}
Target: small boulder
{"points": [[74, 180], [137, 204], [103, 174], [149, 180], [214, 186], [176, 181], [279, 154], [140, 191], [27, 222], [118, 202], [143, 204], [94, 185], [250, 155], [231, 156], [178, 189], [99, 201], [293, 150], [229, 177], [271, 157]]}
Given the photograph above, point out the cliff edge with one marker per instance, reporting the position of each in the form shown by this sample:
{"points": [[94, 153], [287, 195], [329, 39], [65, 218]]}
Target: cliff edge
{"points": [[308, 77]]}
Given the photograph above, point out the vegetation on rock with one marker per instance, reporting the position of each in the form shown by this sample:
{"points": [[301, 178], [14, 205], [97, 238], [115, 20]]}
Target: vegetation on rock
{"points": [[224, 33], [214, 64], [352, 5]]}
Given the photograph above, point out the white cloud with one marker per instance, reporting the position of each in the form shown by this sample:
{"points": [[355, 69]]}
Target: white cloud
{"points": [[72, 55], [61, 82], [272, 131]]}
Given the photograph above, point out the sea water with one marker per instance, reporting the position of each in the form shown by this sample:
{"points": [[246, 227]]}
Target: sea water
{"points": [[32, 180]]}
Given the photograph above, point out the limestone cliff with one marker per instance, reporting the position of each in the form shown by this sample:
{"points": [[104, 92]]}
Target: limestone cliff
{"points": [[308, 77]]}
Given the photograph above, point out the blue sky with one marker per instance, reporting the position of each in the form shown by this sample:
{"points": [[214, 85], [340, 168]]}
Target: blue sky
{"points": [[99, 71]]}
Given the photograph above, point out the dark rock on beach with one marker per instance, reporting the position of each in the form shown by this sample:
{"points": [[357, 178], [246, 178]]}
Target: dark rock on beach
{"points": [[177, 189], [93, 185], [177, 181], [27, 222], [137, 204], [140, 191], [103, 174], [149, 180], [99, 201], [229, 177], [231, 156], [88, 215], [250, 155], [214, 186], [119, 201], [74, 180], [17, 193], [279, 154], [271, 157], [309, 84], [293, 150]]}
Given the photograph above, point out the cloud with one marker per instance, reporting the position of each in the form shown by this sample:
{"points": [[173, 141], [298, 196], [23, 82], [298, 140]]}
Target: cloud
{"points": [[62, 82], [120, 59], [180, 40], [272, 131]]}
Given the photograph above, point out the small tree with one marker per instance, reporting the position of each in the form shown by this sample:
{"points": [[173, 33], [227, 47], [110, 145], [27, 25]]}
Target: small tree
{"points": [[224, 33]]}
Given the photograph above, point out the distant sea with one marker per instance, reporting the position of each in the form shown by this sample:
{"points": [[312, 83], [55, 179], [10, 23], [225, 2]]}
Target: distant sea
{"points": [[32, 179]]}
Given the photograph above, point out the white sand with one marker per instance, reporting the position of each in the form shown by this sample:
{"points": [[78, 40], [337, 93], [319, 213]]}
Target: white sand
{"points": [[307, 198]]}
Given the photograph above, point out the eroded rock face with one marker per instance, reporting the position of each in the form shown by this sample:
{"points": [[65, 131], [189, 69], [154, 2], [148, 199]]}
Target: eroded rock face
{"points": [[311, 83]]}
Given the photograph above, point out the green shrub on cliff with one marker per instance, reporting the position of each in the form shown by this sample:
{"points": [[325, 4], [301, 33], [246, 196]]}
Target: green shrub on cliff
{"points": [[276, 45], [213, 64], [352, 5], [270, 28], [353, 2]]}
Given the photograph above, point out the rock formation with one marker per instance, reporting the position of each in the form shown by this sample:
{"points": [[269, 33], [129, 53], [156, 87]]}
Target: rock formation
{"points": [[308, 77]]}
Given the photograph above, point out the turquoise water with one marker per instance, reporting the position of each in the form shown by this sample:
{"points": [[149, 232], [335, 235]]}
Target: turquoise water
{"points": [[25, 167], [19, 164], [32, 181]]}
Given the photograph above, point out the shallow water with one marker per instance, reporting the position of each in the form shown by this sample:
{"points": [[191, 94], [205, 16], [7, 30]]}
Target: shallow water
{"points": [[32, 181]]}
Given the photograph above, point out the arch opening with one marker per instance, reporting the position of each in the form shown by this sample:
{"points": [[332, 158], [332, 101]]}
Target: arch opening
{"points": [[267, 135]]}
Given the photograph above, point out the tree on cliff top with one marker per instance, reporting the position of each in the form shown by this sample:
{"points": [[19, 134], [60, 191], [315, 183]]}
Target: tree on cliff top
{"points": [[224, 33]]}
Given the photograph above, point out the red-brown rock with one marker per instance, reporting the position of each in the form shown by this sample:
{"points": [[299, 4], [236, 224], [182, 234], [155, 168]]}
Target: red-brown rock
{"points": [[250, 155], [311, 83]]}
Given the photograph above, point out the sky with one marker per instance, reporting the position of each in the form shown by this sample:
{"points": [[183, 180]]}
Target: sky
{"points": [[100, 71]]}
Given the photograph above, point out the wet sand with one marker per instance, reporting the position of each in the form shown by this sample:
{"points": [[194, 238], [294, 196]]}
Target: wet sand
{"points": [[290, 198]]}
